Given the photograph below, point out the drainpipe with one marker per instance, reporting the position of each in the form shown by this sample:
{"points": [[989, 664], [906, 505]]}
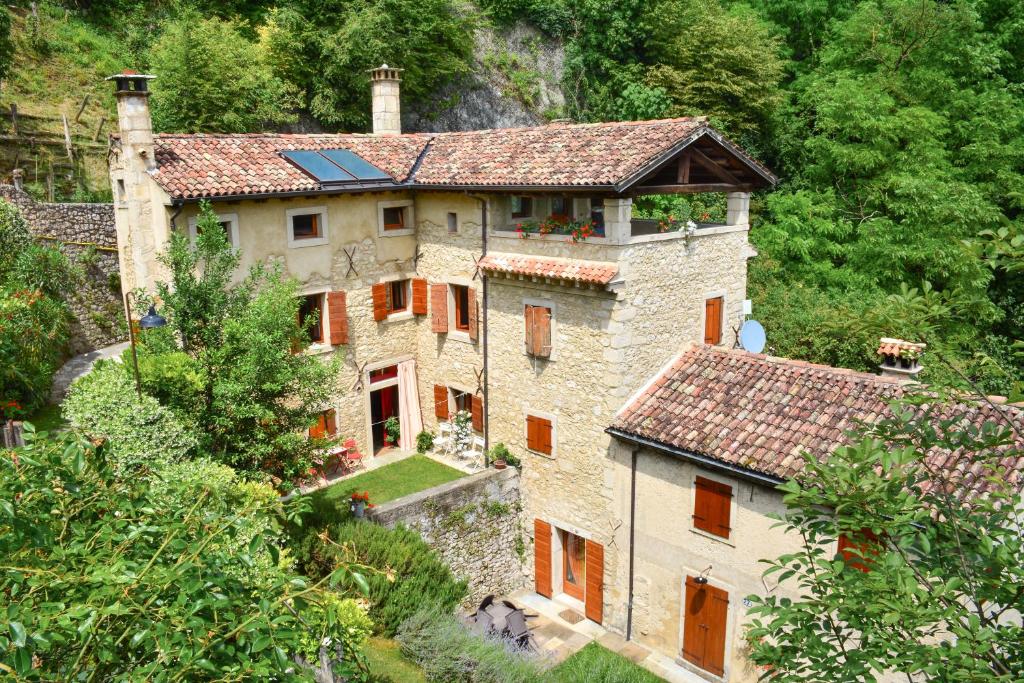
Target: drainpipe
{"points": [[632, 534], [487, 375], [178, 207]]}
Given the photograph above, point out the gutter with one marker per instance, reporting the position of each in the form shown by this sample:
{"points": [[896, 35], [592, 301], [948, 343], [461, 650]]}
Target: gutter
{"points": [[483, 341], [703, 460], [632, 541]]}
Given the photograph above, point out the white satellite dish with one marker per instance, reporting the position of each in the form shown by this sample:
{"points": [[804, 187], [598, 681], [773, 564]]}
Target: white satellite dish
{"points": [[752, 337]]}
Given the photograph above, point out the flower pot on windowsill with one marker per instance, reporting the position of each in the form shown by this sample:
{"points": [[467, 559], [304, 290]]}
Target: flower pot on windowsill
{"points": [[500, 464]]}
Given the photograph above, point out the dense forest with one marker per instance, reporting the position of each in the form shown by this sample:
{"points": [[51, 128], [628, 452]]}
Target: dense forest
{"points": [[896, 126]]}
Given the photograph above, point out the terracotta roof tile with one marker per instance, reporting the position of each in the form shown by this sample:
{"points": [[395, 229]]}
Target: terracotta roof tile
{"points": [[760, 412], [569, 270]]}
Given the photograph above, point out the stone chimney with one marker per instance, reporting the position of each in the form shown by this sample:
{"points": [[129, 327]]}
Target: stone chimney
{"points": [[133, 117], [387, 110], [900, 359]]}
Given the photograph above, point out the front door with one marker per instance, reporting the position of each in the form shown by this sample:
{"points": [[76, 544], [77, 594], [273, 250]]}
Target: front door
{"points": [[574, 565], [383, 403]]}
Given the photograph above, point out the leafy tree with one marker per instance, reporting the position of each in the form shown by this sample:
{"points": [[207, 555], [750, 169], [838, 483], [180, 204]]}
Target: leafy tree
{"points": [[934, 571], [106, 578], [6, 43], [210, 78], [325, 49], [242, 382]]}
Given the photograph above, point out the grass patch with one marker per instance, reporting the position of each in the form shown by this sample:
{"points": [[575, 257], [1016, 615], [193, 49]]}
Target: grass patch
{"points": [[415, 473], [597, 664], [47, 419], [386, 663]]}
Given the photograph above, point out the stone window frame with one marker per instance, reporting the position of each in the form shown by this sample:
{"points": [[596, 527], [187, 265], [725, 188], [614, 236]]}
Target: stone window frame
{"points": [[730, 590], [324, 345], [410, 217], [407, 314], [121, 192], [453, 332], [527, 216], [733, 505], [231, 218], [547, 303], [527, 411], [714, 294], [309, 241], [452, 219]]}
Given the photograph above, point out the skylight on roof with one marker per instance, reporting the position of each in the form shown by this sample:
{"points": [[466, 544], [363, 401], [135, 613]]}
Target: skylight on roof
{"points": [[335, 166]]}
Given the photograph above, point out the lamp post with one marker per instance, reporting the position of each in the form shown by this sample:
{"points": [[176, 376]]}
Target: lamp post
{"points": [[149, 321]]}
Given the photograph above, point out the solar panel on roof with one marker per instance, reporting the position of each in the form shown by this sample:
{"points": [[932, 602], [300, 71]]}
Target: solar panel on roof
{"points": [[355, 164], [317, 166]]}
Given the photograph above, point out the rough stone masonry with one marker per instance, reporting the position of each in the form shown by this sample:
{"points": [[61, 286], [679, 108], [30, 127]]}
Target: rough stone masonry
{"points": [[85, 234]]}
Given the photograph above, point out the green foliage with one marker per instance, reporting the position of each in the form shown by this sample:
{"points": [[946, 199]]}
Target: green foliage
{"points": [[424, 441], [143, 435], [500, 451], [943, 568], [596, 664], [6, 43], [210, 78], [393, 429], [247, 391], [406, 575], [335, 613], [449, 652], [15, 236], [324, 50], [104, 583]]}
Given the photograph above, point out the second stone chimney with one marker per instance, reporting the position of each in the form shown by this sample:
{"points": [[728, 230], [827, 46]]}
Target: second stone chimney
{"points": [[133, 117], [387, 110], [900, 359]]}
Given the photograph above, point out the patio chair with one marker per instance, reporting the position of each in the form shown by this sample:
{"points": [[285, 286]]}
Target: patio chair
{"points": [[519, 632], [353, 458], [444, 437], [475, 451]]}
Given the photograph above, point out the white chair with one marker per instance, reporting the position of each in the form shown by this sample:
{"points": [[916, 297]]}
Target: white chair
{"points": [[443, 440], [475, 452]]}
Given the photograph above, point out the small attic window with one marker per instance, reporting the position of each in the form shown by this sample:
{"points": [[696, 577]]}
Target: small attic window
{"points": [[522, 207]]}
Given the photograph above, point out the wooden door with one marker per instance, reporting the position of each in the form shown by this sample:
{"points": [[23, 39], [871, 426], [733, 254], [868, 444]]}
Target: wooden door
{"points": [[713, 321], [574, 565], [704, 621]]}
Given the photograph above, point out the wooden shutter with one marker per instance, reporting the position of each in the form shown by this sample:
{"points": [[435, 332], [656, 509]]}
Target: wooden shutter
{"points": [[318, 431], [528, 313], [704, 625], [542, 557], [440, 402], [439, 308], [713, 321], [865, 543], [474, 315], [331, 422], [531, 433], [542, 331], [712, 507], [477, 411], [380, 301], [593, 600], [419, 296], [544, 435], [338, 314]]}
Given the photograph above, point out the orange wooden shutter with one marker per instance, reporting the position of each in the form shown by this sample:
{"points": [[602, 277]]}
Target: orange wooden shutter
{"points": [[542, 557], [318, 431], [419, 296], [593, 601], [528, 313], [439, 308], [531, 433], [440, 402], [338, 314], [331, 422], [544, 435], [542, 332], [713, 321], [704, 622], [865, 543], [474, 315], [380, 301], [477, 411], [712, 507]]}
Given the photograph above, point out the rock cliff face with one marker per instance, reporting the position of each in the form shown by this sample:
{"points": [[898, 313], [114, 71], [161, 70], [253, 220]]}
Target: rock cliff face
{"points": [[516, 81]]}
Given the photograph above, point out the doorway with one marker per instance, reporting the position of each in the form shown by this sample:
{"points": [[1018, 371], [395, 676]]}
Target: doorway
{"points": [[383, 403], [574, 565]]}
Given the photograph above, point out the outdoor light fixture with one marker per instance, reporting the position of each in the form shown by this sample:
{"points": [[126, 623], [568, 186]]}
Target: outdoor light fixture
{"points": [[151, 320], [703, 577]]}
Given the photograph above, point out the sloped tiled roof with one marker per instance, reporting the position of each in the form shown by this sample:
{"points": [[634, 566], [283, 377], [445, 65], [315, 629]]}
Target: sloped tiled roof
{"points": [[759, 413], [569, 270], [555, 155]]}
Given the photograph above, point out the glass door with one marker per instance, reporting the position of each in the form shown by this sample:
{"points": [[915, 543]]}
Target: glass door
{"points": [[574, 565]]}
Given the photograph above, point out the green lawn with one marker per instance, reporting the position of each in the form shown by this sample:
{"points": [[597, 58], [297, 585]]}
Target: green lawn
{"points": [[392, 481], [387, 663], [597, 664]]}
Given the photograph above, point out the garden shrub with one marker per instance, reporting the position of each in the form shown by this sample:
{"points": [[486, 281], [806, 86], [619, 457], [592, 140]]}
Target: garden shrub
{"points": [[142, 433], [406, 574], [447, 651], [424, 441]]}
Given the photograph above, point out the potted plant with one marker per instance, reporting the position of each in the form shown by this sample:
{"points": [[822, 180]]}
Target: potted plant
{"points": [[392, 430], [502, 457], [359, 502]]}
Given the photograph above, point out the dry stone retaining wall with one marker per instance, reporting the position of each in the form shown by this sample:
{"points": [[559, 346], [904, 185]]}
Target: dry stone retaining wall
{"points": [[474, 525], [85, 233]]}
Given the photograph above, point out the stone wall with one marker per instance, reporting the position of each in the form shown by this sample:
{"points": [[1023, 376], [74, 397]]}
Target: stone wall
{"points": [[474, 525], [86, 234]]}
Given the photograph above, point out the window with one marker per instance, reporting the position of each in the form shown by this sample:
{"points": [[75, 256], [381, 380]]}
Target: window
{"points": [[705, 615], [522, 207], [857, 550], [311, 314], [398, 296], [538, 434], [597, 215], [394, 218], [122, 194], [390, 372], [462, 400], [228, 223], [453, 223], [712, 507], [561, 208], [538, 330], [307, 227], [460, 296], [326, 425], [713, 321]]}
